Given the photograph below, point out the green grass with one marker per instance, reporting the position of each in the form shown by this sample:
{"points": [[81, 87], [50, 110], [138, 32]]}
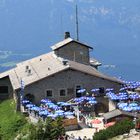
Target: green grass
{"points": [[10, 121]]}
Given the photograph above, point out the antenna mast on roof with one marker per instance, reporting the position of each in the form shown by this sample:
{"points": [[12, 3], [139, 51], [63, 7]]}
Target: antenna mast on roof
{"points": [[77, 24]]}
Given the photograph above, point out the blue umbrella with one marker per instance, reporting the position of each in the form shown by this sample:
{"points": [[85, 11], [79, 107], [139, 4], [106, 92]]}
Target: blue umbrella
{"points": [[49, 104], [92, 102], [122, 105], [29, 105], [59, 103], [35, 108], [77, 99], [126, 108], [53, 115], [123, 93], [109, 93], [65, 104], [112, 96], [122, 89], [25, 101], [90, 98], [57, 108], [81, 90], [42, 109], [45, 101], [59, 111], [109, 89], [95, 89], [45, 113], [52, 106], [134, 96], [136, 108], [68, 113], [123, 98], [83, 98], [133, 104], [59, 114]]}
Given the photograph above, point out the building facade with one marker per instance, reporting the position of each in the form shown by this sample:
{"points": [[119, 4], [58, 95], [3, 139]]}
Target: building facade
{"points": [[57, 75]]}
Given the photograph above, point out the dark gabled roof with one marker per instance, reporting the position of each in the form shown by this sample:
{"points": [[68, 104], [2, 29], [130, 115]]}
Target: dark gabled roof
{"points": [[91, 71], [46, 65], [112, 114], [67, 41], [117, 112]]}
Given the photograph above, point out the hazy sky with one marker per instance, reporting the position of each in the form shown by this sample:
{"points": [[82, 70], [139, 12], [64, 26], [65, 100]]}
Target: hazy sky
{"points": [[111, 27]]}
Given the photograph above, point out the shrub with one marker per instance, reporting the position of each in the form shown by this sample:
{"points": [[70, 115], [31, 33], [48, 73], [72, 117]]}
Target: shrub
{"points": [[50, 130], [119, 128]]}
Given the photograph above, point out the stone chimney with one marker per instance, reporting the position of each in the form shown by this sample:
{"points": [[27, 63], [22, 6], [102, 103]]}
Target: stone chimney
{"points": [[67, 35]]}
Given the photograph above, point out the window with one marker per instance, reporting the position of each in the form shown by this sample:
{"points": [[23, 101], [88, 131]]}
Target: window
{"points": [[101, 90], [29, 97], [78, 87], [62, 92], [49, 93], [3, 89]]}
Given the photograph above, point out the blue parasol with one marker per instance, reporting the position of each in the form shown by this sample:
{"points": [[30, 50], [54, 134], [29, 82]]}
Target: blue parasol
{"points": [[68, 113], [109, 89], [81, 91], [123, 98], [90, 98], [45, 113], [59, 111], [83, 98], [57, 108], [123, 93], [133, 104], [122, 89], [59, 114], [112, 96], [122, 105], [136, 108], [52, 106], [59, 103], [53, 115], [45, 101], [92, 102], [35, 108], [126, 108], [30, 105], [25, 101], [134, 96], [77, 99], [49, 104], [65, 104], [95, 89]]}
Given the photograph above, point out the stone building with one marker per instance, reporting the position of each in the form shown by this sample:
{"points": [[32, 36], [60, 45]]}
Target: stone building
{"points": [[57, 75]]}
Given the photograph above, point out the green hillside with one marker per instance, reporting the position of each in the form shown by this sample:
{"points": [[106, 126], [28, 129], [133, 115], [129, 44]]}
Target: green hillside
{"points": [[10, 121]]}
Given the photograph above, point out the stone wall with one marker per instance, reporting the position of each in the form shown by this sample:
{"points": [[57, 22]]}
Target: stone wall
{"points": [[68, 80], [112, 105], [75, 52], [6, 82]]}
